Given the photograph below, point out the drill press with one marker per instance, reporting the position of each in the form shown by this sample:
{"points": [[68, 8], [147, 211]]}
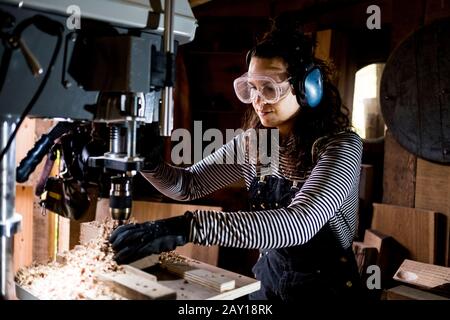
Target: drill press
{"points": [[113, 66]]}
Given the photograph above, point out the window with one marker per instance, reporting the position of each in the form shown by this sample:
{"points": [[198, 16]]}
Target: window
{"points": [[366, 116]]}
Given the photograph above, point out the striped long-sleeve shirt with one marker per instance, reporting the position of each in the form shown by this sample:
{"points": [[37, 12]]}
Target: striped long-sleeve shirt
{"points": [[329, 193]]}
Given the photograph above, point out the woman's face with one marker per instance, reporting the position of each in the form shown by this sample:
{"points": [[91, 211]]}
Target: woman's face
{"points": [[280, 114]]}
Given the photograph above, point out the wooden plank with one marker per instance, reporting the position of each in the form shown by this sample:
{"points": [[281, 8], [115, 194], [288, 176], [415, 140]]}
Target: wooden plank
{"points": [[145, 211], [399, 174], [202, 277], [63, 234], [186, 290], [424, 275], [32, 242], [53, 243], [365, 255], [136, 287], [433, 193], [23, 240], [146, 262], [41, 232], [390, 254], [412, 228], [139, 273], [408, 293], [376, 239]]}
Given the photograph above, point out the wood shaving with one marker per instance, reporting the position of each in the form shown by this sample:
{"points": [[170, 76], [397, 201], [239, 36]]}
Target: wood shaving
{"points": [[172, 257], [72, 275]]}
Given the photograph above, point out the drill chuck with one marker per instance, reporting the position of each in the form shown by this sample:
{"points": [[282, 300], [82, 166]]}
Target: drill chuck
{"points": [[120, 199]]}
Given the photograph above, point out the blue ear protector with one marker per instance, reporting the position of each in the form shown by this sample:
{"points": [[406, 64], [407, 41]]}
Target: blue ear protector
{"points": [[310, 87], [309, 90]]}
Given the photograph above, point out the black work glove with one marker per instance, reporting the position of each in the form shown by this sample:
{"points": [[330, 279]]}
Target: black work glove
{"points": [[135, 241]]}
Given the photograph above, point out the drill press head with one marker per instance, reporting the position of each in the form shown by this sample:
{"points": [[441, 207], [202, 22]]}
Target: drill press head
{"points": [[123, 113]]}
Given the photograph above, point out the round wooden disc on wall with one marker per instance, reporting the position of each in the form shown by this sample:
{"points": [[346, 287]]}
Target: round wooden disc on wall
{"points": [[415, 92]]}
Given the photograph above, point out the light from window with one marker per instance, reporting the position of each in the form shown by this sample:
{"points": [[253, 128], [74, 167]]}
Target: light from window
{"points": [[366, 116]]}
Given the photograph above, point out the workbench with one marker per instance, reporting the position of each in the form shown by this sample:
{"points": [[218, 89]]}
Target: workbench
{"points": [[183, 279]]}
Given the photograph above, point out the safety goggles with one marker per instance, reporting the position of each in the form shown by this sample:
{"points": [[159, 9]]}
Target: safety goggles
{"points": [[249, 87]]}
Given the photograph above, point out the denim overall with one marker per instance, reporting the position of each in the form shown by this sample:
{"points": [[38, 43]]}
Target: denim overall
{"points": [[316, 270]]}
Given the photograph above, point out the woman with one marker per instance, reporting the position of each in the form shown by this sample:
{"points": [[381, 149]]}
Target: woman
{"points": [[303, 210]]}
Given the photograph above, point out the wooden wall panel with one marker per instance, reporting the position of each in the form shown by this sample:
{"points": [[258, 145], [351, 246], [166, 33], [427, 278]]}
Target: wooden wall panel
{"points": [[436, 9], [23, 240], [29, 132], [399, 174], [433, 193], [414, 229]]}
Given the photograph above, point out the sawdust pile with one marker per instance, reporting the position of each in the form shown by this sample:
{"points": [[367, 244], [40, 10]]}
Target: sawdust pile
{"points": [[72, 276]]}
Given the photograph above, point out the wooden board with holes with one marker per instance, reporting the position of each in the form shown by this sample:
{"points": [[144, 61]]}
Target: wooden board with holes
{"points": [[194, 287], [424, 275], [137, 285], [414, 229], [202, 277]]}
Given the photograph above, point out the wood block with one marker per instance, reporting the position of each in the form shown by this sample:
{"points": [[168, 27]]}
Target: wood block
{"points": [[408, 293], [41, 235], [205, 278], [136, 287], [375, 239], [390, 254], [137, 272], [63, 234], [194, 291], [365, 256], [146, 262], [424, 275], [433, 193], [414, 229]]}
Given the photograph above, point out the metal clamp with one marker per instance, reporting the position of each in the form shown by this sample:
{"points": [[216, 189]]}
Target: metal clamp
{"points": [[10, 226]]}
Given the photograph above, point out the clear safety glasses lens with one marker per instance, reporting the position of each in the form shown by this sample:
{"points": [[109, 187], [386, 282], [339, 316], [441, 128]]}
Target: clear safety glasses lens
{"points": [[249, 88]]}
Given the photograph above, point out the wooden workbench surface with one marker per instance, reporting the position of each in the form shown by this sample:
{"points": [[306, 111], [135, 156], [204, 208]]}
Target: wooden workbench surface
{"points": [[181, 279]]}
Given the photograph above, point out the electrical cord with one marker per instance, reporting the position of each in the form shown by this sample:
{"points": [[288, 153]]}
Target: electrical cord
{"points": [[50, 27]]}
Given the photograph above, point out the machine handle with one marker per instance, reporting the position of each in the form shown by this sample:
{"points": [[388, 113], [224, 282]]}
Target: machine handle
{"points": [[32, 61], [33, 158]]}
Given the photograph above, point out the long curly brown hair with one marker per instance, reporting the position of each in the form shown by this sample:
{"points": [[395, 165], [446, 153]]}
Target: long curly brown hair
{"points": [[287, 41]]}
